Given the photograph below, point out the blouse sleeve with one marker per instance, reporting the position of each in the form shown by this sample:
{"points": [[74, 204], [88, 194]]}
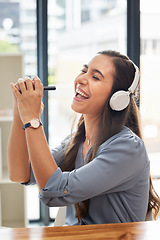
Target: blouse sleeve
{"points": [[117, 167]]}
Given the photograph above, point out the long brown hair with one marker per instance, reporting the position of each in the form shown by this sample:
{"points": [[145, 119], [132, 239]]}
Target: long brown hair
{"points": [[111, 122]]}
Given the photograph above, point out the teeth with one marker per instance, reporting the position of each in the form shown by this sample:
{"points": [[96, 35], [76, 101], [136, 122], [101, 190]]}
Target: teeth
{"points": [[77, 91]]}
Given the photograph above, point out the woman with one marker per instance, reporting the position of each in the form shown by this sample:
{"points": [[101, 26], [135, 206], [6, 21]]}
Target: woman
{"points": [[101, 173]]}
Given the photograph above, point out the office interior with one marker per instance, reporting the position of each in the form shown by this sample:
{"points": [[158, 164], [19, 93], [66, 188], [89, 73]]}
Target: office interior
{"points": [[53, 39]]}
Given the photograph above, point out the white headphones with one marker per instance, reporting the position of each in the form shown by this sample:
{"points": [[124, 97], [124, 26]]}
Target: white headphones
{"points": [[121, 99]]}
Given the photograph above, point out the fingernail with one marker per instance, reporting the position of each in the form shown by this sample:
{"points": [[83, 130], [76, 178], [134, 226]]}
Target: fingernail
{"points": [[20, 79], [36, 78], [25, 78]]}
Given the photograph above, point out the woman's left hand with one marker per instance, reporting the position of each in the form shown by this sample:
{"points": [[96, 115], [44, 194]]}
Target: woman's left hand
{"points": [[29, 95]]}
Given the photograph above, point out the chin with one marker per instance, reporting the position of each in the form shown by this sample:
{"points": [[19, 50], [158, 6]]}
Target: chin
{"points": [[76, 109]]}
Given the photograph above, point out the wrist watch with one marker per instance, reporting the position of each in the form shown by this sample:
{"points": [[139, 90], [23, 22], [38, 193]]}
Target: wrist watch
{"points": [[34, 123]]}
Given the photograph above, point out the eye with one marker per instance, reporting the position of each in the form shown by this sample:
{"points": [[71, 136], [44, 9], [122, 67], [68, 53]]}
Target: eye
{"points": [[83, 71], [95, 77]]}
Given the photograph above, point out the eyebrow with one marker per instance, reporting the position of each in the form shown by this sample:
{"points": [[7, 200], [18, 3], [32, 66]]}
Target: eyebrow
{"points": [[94, 70]]}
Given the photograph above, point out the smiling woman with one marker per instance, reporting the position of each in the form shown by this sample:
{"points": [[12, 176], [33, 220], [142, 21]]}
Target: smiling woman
{"points": [[102, 170], [94, 83]]}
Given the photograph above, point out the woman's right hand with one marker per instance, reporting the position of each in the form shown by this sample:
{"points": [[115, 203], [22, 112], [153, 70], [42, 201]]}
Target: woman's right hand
{"points": [[25, 93]]}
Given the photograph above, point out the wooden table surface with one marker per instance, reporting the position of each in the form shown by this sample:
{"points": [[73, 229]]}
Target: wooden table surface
{"points": [[120, 231]]}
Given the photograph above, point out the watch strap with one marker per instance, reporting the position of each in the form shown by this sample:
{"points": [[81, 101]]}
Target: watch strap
{"points": [[29, 125], [26, 125]]}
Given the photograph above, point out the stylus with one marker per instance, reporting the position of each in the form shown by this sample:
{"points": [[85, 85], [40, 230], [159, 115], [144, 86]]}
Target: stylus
{"points": [[47, 88]]}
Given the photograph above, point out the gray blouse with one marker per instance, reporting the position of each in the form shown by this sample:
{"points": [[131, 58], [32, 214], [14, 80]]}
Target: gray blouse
{"points": [[116, 182]]}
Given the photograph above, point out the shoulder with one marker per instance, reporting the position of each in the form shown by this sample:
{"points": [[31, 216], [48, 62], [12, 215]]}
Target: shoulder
{"points": [[125, 139], [126, 146]]}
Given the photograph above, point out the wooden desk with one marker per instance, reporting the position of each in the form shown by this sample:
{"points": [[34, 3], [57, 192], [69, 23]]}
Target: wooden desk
{"points": [[121, 231]]}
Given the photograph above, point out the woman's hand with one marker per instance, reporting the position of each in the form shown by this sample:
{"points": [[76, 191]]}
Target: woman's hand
{"points": [[28, 94]]}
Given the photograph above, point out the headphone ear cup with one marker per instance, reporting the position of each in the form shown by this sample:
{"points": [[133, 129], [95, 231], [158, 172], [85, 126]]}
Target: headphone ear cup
{"points": [[120, 100]]}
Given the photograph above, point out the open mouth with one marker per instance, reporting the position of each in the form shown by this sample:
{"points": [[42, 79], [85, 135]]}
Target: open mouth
{"points": [[81, 95]]}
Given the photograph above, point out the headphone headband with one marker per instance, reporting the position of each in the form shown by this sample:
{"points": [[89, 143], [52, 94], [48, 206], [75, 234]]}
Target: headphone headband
{"points": [[134, 85]]}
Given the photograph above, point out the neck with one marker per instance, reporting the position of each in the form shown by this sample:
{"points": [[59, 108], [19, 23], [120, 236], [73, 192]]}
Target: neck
{"points": [[90, 141], [91, 128]]}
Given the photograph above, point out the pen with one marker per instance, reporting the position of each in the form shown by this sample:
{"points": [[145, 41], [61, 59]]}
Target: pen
{"points": [[47, 88]]}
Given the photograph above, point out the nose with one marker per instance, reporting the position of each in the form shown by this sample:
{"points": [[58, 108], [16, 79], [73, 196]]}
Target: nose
{"points": [[82, 79]]}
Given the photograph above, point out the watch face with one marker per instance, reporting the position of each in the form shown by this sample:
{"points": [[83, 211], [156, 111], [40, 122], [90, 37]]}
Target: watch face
{"points": [[35, 123]]}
